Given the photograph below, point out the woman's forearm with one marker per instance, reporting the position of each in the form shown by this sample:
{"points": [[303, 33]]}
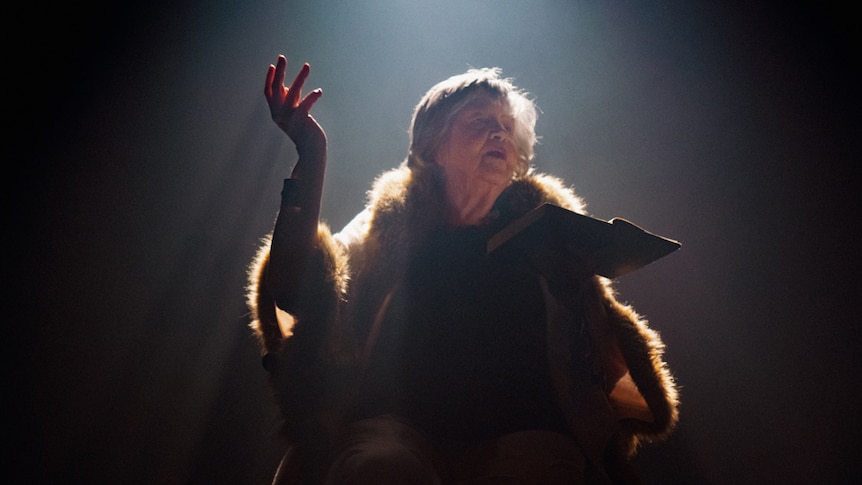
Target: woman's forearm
{"points": [[295, 234]]}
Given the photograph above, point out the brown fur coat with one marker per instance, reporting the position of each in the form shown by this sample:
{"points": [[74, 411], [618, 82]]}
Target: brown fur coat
{"points": [[625, 397]]}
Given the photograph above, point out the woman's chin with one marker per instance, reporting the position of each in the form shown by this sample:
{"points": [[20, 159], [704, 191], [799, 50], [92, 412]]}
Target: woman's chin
{"points": [[497, 171]]}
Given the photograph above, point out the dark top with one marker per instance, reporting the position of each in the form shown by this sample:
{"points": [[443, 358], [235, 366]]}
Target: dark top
{"points": [[462, 351]]}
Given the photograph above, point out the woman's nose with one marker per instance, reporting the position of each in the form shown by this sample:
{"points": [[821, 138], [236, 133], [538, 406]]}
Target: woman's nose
{"points": [[499, 131]]}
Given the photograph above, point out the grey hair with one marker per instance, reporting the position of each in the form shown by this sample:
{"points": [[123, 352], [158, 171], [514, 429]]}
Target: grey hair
{"points": [[433, 115]]}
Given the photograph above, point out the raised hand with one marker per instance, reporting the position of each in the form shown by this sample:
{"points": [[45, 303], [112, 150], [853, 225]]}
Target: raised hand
{"points": [[291, 111], [295, 232]]}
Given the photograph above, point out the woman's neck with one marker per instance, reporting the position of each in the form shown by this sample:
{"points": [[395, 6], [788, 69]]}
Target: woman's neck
{"points": [[470, 204]]}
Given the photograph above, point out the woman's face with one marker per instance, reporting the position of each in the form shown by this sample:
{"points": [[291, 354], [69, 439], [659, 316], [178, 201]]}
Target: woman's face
{"points": [[480, 146]]}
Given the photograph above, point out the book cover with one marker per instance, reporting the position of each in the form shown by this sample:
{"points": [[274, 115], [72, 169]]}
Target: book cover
{"points": [[614, 247]]}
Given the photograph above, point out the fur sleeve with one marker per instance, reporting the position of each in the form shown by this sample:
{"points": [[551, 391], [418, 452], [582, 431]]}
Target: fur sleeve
{"points": [[324, 285], [642, 349], [631, 350]]}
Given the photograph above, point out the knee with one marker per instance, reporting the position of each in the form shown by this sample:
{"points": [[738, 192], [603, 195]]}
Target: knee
{"points": [[387, 462]]}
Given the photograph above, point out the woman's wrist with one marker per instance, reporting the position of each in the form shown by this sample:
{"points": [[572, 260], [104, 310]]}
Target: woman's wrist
{"points": [[312, 145]]}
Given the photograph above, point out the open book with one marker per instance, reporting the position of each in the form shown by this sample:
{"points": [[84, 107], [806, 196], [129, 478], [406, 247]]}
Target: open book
{"points": [[614, 247]]}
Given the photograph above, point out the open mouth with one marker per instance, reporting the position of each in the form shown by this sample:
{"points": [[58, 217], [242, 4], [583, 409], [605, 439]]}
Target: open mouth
{"points": [[496, 154]]}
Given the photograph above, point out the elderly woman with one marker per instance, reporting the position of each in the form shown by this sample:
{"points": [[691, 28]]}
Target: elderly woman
{"points": [[400, 352]]}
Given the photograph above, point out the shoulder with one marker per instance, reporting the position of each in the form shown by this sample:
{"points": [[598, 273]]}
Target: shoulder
{"points": [[557, 192], [535, 189], [386, 201], [389, 189]]}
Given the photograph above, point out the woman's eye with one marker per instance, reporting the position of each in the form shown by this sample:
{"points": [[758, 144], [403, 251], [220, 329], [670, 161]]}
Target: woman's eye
{"points": [[489, 123]]}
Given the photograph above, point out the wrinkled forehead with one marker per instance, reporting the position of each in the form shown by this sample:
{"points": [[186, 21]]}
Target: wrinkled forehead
{"points": [[485, 100]]}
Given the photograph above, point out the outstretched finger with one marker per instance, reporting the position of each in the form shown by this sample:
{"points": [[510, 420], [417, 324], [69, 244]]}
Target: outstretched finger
{"points": [[267, 87], [296, 87], [309, 100], [277, 83]]}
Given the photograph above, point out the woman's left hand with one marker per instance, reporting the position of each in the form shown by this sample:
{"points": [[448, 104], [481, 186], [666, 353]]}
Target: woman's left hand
{"points": [[291, 111]]}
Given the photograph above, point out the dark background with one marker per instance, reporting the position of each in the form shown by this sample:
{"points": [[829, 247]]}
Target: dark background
{"points": [[145, 169]]}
